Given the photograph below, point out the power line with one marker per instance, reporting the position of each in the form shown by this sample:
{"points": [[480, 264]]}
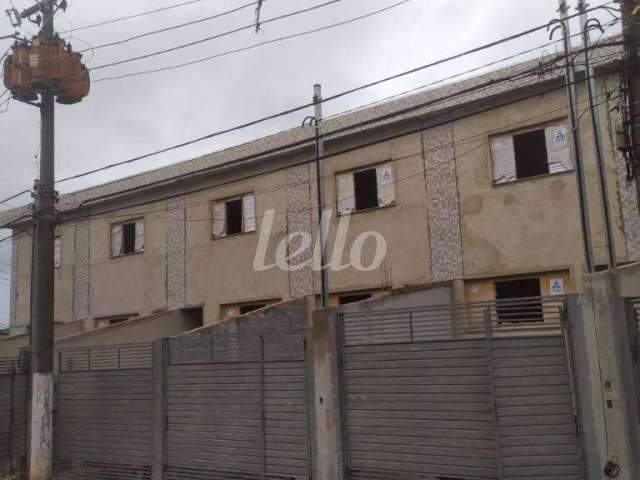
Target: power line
{"points": [[171, 28], [130, 17], [256, 45], [219, 35], [302, 107], [445, 118], [253, 123]]}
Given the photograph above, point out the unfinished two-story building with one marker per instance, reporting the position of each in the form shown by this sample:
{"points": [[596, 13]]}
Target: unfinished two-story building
{"points": [[471, 185]]}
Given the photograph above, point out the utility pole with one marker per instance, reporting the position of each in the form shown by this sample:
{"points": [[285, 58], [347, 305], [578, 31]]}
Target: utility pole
{"points": [[44, 67], [41, 451], [590, 81], [631, 34], [572, 94], [322, 228]]}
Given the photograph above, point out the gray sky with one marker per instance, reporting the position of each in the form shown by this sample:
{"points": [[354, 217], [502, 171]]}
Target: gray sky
{"points": [[125, 118]]}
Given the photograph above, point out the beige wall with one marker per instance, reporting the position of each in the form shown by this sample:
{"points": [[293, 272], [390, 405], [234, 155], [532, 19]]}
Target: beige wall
{"points": [[403, 225], [220, 271], [513, 229], [64, 274], [529, 225], [134, 283]]}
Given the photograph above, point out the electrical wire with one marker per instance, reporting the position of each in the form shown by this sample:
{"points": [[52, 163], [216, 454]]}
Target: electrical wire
{"points": [[256, 122], [254, 46], [173, 27], [445, 119], [217, 36], [133, 16]]}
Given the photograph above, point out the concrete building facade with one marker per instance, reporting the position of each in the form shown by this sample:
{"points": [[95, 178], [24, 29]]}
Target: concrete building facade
{"points": [[472, 184]]}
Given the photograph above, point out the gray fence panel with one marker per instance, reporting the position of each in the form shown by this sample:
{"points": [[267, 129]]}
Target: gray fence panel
{"points": [[103, 414], [536, 419], [420, 409], [13, 409], [464, 392], [237, 408]]}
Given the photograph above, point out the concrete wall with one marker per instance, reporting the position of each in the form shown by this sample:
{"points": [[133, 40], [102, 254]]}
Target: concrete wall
{"points": [[137, 330], [10, 346], [132, 284], [531, 225], [449, 223], [220, 271]]}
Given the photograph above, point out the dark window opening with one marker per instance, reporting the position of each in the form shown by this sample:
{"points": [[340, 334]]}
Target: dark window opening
{"points": [[195, 316], [531, 154], [514, 304], [234, 216], [250, 308], [366, 189], [346, 299], [128, 238]]}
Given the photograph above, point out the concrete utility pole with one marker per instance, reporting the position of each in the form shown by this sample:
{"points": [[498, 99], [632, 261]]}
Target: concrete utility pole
{"points": [[631, 34], [597, 136], [572, 94], [324, 273], [41, 451]]}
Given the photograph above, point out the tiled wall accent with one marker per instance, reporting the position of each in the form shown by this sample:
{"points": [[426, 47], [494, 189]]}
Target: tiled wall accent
{"points": [[627, 195], [442, 204], [15, 245], [299, 220], [81, 271], [176, 240]]}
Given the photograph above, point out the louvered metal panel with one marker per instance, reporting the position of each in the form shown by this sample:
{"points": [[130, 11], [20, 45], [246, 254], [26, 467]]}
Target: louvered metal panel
{"points": [[237, 408], [103, 414], [13, 404], [468, 392]]}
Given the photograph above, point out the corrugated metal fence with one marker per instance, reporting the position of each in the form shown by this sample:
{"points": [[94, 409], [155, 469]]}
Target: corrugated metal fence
{"points": [[228, 407], [480, 391], [13, 417]]}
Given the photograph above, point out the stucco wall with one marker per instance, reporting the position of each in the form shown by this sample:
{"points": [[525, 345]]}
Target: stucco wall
{"points": [[529, 225], [403, 225], [220, 271], [132, 283], [519, 228]]}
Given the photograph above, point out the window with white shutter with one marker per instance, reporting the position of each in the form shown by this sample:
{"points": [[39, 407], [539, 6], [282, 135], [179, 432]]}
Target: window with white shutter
{"points": [[57, 252], [530, 154], [127, 238], [346, 193], [233, 216], [386, 185], [366, 188], [116, 240], [249, 212]]}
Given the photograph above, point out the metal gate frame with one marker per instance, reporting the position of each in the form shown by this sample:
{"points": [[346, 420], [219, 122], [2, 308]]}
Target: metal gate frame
{"points": [[473, 320]]}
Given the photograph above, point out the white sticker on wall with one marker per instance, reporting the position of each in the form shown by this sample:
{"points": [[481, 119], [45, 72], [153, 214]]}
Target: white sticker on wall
{"points": [[556, 286], [560, 137]]}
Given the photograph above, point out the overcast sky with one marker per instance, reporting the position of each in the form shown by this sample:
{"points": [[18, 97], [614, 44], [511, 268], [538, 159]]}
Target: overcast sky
{"points": [[126, 118]]}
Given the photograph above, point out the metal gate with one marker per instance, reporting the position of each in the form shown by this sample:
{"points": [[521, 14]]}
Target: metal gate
{"points": [[476, 391], [237, 408], [103, 413], [13, 417]]}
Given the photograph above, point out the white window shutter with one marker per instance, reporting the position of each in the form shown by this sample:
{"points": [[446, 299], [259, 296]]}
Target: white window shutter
{"points": [[139, 235], [116, 240], [57, 255], [346, 193], [558, 150], [386, 185], [219, 214], [503, 159], [249, 212]]}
